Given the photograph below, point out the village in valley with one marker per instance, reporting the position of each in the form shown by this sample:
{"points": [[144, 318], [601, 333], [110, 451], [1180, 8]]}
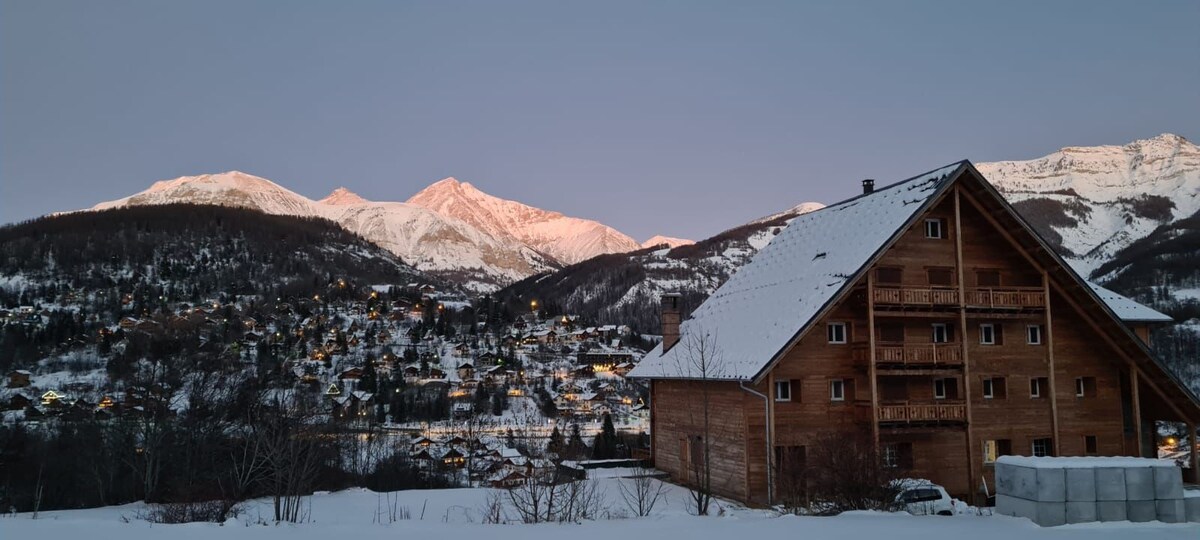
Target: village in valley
{"points": [[464, 399]]}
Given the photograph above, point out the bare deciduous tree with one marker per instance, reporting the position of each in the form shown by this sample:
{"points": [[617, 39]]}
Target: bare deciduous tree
{"points": [[701, 362]]}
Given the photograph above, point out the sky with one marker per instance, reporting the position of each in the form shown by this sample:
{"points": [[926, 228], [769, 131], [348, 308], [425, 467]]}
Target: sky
{"points": [[654, 117]]}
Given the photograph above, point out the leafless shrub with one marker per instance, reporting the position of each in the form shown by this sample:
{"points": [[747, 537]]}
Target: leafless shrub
{"points": [[192, 512], [492, 510], [388, 509], [641, 492], [843, 471]]}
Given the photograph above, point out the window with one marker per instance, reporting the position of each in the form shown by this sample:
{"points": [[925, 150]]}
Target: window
{"points": [[1038, 387], [836, 332], [783, 390], [1042, 447], [1089, 444], [942, 333], [940, 276], [889, 275], [897, 455], [987, 334], [837, 390], [1033, 334], [939, 389], [995, 449], [891, 457], [933, 228], [1085, 386], [997, 386], [987, 278]]}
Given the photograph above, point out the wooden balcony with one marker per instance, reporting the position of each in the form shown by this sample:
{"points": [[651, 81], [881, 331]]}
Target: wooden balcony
{"points": [[922, 414], [992, 298], [1006, 297], [893, 355], [916, 296]]}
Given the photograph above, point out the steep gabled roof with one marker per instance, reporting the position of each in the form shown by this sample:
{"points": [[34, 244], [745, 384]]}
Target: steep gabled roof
{"points": [[753, 317], [1127, 309]]}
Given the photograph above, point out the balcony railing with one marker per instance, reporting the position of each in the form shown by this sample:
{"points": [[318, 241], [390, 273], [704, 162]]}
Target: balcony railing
{"points": [[1006, 297], [976, 297], [913, 355], [922, 413], [916, 296]]}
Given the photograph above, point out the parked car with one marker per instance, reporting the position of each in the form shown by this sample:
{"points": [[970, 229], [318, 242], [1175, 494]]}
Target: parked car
{"points": [[923, 498]]}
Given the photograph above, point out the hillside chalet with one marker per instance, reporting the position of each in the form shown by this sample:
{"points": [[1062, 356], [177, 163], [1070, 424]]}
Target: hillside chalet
{"points": [[926, 315]]}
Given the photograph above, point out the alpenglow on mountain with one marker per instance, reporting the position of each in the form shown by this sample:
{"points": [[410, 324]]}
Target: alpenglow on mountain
{"points": [[569, 240], [450, 229]]}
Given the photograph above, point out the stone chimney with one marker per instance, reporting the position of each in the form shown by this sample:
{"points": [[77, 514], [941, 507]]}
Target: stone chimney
{"points": [[670, 316], [868, 186]]}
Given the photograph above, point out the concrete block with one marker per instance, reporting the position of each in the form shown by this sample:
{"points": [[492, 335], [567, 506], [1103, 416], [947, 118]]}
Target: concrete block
{"points": [[1051, 514], [1141, 511], [1111, 511], [1168, 483], [1081, 487], [1081, 512], [1139, 484], [1191, 507], [1020, 482], [1051, 485], [1170, 510], [1015, 506], [1110, 485]]}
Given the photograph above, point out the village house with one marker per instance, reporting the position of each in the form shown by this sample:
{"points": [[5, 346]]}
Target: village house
{"points": [[926, 317], [19, 378]]}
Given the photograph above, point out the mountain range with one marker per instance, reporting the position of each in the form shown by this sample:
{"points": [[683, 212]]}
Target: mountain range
{"points": [[1090, 203], [449, 229]]}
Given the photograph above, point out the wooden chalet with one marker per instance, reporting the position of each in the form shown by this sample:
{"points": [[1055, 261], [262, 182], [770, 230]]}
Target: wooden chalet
{"points": [[926, 317]]}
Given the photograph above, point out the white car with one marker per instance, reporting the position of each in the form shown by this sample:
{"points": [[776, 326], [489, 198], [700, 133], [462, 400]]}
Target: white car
{"points": [[924, 499]]}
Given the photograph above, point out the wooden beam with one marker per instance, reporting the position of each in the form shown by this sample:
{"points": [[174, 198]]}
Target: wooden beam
{"points": [[1021, 248], [962, 320], [1049, 337], [871, 372], [1137, 409]]}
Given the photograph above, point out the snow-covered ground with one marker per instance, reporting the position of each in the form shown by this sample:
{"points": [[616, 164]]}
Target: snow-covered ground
{"points": [[452, 514]]}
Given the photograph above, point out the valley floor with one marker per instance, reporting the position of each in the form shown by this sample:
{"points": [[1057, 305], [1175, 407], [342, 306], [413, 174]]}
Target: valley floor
{"points": [[452, 514]]}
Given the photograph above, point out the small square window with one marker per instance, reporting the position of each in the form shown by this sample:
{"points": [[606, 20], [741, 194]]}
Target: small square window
{"points": [[783, 390], [1033, 334], [934, 228], [837, 390], [1042, 447], [1089, 444], [987, 334], [836, 332], [1085, 386]]}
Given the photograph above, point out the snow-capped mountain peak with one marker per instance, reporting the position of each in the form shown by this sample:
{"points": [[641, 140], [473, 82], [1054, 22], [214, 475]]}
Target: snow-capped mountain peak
{"points": [[343, 197], [567, 239], [669, 241], [233, 188], [1100, 199]]}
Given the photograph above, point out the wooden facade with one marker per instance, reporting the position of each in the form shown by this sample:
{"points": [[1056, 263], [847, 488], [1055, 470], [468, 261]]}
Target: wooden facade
{"points": [[956, 349]]}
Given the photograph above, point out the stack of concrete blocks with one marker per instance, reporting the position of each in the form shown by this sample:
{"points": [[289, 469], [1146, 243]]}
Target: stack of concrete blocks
{"points": [[1055, 491]]}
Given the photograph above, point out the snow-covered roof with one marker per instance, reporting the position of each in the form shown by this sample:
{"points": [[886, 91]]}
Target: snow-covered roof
{"points": [[751, 318], [1127, 309]]}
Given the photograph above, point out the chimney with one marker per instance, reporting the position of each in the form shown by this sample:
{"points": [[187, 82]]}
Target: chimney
{"points": [[868, 186], [670, 320]]}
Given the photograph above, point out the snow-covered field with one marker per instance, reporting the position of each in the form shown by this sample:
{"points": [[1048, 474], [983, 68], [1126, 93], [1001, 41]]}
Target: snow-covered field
{"points": [[451, 514]]}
